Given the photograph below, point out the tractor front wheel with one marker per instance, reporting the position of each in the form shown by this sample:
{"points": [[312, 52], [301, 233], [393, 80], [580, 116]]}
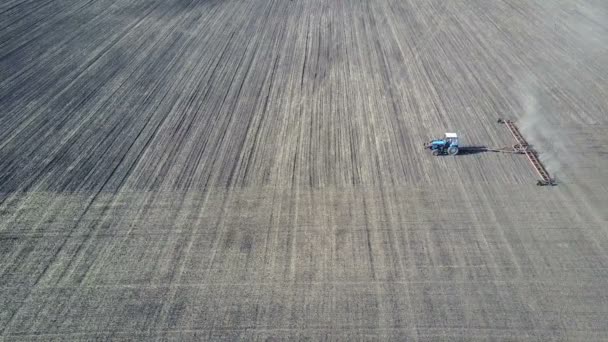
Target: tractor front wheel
{"points": [[435, 152]]}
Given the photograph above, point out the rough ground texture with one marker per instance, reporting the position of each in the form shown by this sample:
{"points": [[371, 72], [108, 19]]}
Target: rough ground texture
{"points": [[182, 170]]}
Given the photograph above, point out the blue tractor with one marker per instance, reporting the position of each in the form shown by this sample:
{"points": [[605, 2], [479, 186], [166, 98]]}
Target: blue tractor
{"points": [[446, 146]]}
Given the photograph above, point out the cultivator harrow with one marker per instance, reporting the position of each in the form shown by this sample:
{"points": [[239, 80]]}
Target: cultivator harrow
{"points": [[522, 147]]}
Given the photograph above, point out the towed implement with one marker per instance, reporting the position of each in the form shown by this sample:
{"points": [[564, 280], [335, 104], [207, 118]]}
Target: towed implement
{"points": [[449, 146], [525, 148]]}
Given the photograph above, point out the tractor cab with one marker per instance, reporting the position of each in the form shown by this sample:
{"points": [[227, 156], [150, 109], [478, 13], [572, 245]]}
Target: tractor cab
{"points": [[451, 139], [447, 145]]}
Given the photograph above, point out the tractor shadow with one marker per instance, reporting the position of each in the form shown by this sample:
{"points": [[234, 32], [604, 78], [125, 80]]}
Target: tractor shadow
{"points": [[467, 150]]}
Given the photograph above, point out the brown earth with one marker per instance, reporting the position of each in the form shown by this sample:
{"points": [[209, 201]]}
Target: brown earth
{"points": [[185, 170]]}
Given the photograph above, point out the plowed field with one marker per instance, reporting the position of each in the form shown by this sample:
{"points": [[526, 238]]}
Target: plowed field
{"points": [[187, 170]]}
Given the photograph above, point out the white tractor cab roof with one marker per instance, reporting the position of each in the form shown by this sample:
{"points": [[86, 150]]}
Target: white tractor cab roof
{"points": [[452, 138]]}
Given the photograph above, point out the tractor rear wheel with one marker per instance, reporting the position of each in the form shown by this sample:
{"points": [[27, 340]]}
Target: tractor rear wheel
{"points": [[453, 150]]}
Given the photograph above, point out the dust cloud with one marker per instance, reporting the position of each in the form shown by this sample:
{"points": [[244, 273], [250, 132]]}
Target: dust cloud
{"points": [[541, 131]]}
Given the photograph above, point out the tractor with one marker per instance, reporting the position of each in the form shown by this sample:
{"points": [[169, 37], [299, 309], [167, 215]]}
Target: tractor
{"points": [[447, 145]]}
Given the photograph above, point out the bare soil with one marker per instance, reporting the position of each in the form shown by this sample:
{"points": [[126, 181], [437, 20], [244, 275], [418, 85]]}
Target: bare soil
{"points": [[187, 170]]}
